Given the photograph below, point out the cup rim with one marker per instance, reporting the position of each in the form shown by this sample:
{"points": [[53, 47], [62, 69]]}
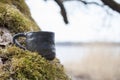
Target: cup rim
{"points": [[40, 32]]}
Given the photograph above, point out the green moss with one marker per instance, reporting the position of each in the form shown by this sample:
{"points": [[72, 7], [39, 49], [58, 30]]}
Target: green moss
{"points": [[19, 64], [25, 65], [20, 4], [14, 20]]}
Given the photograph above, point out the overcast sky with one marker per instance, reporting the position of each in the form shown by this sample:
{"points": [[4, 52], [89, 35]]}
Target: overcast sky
{"points": [[87, 24]]}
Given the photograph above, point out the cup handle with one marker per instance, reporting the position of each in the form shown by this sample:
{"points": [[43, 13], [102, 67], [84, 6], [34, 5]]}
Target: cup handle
{"points": [[16, 36]]}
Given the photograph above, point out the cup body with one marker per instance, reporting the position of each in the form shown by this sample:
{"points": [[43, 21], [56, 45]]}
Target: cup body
{"points": [[41, 42]]}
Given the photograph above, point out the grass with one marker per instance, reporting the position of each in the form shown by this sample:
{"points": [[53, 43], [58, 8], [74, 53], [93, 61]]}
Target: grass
{"points": [[101, 63]]}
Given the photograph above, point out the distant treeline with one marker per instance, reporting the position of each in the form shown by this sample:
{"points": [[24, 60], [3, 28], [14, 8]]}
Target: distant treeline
{"points": [[86, 43]]}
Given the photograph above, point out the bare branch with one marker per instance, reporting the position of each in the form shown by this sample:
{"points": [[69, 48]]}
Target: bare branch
{"points": [[85, 2], [112, 4], [63, 11]]}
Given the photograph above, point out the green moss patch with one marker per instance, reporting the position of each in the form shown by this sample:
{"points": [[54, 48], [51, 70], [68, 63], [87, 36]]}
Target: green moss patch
{"points": [[20, 5], [18, 64], [14, 20], [25, 65]]}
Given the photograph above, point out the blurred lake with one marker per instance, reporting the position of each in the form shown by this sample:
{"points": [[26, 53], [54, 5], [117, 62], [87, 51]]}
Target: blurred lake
{"points": [[68, 52], [72, 55]]}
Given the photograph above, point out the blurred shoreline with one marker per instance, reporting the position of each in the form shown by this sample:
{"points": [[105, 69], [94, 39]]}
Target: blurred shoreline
{"points": [[85, 43]]}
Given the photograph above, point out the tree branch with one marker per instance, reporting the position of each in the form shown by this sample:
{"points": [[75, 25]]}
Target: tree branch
{"points": [[85, 2], [112, 4], [63, 11]]}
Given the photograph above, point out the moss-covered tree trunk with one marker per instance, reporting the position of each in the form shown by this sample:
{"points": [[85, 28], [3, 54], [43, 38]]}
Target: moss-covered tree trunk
{"points": [[18, 64]]}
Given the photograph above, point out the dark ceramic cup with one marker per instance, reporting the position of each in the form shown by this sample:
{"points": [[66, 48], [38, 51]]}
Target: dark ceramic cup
{"points": [[41, 42]]}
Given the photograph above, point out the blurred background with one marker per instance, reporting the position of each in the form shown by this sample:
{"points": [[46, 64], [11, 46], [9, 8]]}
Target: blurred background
{"points": [[92, 34]]}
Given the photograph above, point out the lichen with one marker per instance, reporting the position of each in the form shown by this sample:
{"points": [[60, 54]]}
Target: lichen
{"points": [[14, 20], [26, 65]]}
